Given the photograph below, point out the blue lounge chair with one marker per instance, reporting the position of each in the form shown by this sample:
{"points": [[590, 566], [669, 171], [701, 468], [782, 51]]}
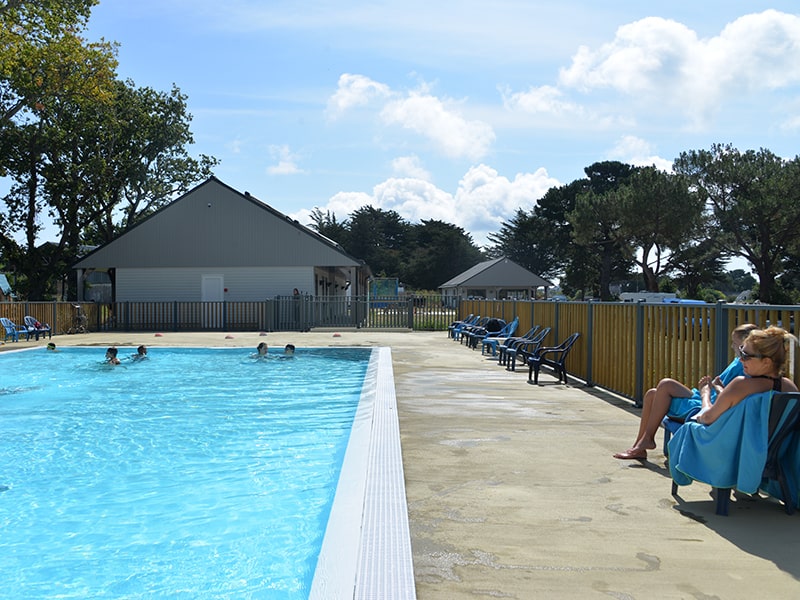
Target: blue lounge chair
{"points": [[458, 324], [12, 329], [525, 349], [491, 341], [35, 328], [554, 357], [463, 326], [514, 342], [463, 333], [493, 326], [498, 346], [751, 446]]}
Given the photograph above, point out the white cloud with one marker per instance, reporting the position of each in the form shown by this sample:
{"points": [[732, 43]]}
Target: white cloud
{"points": [[545, 99], [428, 116], [481, 203], [419, 111], [287, 161], [636, 151], [353, 91], [410, 166], [660, 63]]}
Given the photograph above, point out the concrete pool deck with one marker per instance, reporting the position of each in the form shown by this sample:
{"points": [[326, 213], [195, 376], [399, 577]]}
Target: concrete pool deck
{"points": [[512, 491]]}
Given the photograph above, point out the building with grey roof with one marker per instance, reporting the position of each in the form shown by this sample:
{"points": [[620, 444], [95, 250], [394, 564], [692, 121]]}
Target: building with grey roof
{"points": [[496, 279], [215, 243]]}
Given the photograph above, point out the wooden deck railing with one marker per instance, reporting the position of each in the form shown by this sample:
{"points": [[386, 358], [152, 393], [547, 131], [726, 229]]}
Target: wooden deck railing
{"points": [[627, 348]]}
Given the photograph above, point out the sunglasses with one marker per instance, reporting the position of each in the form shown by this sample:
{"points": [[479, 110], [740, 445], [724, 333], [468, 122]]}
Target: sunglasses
{"points": [[744, 356]]}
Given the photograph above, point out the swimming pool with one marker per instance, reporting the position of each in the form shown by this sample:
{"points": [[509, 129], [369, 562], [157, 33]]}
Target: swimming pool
{"points": [[175, 476]]}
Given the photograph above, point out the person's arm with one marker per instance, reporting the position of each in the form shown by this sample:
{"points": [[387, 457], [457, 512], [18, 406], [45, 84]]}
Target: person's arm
{"points": [[730, 396]]}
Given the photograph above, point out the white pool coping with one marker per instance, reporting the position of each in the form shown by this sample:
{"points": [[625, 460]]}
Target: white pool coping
{"points": [[366, 551]]}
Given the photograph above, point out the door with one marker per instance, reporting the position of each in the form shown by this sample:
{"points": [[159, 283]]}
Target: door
{"points": [[212, 293]]}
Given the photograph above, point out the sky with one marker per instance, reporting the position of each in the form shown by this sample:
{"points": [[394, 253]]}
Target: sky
{"points": [[459, 111]]}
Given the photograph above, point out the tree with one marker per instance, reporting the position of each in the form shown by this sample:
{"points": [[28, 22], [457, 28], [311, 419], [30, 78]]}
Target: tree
{"points": [[41, 57], [90, 153], [541, 240], [697, 265], [378, 237], [596, 221], [325, 223], [658, 216], [141, 140], [438, 251], [754, 203]]}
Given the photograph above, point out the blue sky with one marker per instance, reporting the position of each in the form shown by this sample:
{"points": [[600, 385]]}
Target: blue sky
{"points": [[461, 111]]}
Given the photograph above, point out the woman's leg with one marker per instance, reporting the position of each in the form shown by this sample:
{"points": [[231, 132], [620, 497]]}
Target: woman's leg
{"points": [[654, 408]]}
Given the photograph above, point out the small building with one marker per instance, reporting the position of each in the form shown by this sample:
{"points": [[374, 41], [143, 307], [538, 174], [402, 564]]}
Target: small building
{"points": [[213, 244], [497, 279]]}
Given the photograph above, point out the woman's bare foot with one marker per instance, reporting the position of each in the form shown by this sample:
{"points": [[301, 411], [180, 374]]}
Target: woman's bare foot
{"points": [[631, 454]]}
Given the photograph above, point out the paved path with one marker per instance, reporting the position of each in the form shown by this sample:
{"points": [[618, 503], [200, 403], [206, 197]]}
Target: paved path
{"points": [[513, 493]]}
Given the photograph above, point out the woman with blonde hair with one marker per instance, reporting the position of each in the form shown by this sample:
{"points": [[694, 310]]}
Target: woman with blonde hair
{"points": [[671, 397], [764, 355]]}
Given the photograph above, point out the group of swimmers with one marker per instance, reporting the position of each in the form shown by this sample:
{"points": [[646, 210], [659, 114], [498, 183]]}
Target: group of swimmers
{"points": [[141, 352], [112, 359], [262, 348]]}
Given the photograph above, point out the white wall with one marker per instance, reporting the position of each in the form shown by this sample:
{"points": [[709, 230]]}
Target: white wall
{"points": [[243, 284]]}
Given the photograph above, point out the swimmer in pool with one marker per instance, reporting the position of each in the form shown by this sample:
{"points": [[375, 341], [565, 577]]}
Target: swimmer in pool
{"points": [[141, 353], [111, 356]]}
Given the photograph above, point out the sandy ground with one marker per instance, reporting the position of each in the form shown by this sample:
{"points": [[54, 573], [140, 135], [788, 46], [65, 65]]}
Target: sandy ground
{"points": [[512, 491]]}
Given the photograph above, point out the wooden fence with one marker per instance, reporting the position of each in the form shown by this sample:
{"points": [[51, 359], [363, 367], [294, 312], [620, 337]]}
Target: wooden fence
{"points": [[628, 347]]}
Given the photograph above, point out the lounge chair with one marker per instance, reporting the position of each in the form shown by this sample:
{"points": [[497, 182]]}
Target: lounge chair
{"points": [[463, 333], [499, 347], [552, 356], [458, 324], [463, 326], [12, 330], [751, 446], [525, 349], [491, 340], [35, 328], [493, 326]]}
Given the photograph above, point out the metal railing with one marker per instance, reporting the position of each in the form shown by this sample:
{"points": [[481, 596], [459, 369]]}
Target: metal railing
{"points": [[282, 313]]}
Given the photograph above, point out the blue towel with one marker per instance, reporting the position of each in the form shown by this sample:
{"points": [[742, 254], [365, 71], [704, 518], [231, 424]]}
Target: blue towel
{"points": [[729, 453]]}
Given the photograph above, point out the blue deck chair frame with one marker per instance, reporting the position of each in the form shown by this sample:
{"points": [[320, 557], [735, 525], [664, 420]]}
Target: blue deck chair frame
{"points": [[499, 347], [496, 337], [554, 357], [525, 349], [12, 330], [32, 331]]}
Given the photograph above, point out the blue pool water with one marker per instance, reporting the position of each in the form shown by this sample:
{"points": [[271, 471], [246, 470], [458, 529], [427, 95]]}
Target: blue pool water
{"points": [[194, 473]]}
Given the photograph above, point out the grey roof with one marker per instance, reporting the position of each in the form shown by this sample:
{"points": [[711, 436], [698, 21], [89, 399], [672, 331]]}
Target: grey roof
{"points": [[213, 225], [499, 272]]}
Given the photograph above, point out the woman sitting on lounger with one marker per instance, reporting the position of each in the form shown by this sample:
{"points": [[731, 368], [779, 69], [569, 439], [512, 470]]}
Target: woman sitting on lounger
{"points": [[671, 397], [763, 355]]}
